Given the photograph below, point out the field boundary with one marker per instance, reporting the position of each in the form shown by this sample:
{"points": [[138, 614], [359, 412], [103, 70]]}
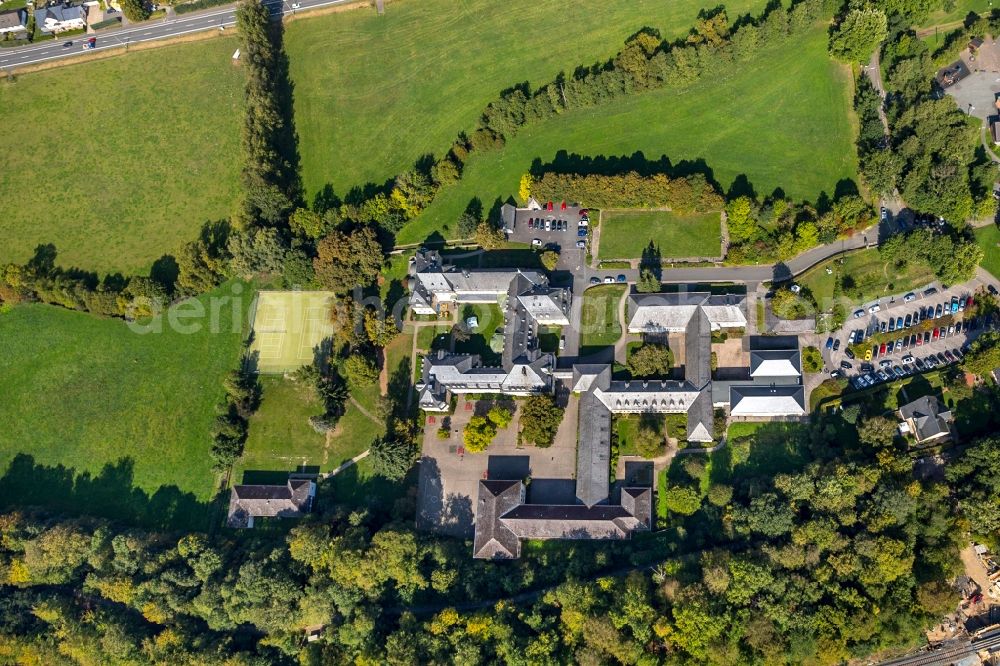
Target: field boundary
{"points": [[608, 214]]}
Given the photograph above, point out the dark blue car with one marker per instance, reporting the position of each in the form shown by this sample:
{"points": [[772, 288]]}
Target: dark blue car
{"points": [[829, 343], [582, 233]]}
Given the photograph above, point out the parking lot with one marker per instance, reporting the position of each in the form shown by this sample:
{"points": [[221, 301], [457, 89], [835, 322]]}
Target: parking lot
{"points": [[908, 334], [560, 227]]}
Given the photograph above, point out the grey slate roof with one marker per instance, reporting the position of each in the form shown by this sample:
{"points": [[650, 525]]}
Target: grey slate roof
{"points": [[493, 539], [282, 501], [929, 416], [13, 20], [762, 400], [503, 519], [593, 451], [698, 350], [700, 417]]}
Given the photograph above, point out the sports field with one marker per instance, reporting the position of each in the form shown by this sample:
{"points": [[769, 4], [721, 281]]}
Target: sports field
{"points": [[626, 233], [374, 93], [116, 423], [783, 120], [120, 161], [289, 327]]}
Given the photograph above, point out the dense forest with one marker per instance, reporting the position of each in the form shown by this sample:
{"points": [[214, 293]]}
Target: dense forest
{"points": [[801, 543]]}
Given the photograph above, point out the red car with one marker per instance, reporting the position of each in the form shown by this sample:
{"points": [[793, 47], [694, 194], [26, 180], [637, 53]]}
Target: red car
{"points": [[935, 335], [881, 349], [920, 340]]}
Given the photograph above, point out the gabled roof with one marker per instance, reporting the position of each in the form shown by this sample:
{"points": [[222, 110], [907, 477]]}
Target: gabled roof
{"points": [[700, 417], [668, 313], [283, 501], [929, 416], [775, 363], [494, 540], [760, 400], [593, 450], [13, 19], [586, 375]]}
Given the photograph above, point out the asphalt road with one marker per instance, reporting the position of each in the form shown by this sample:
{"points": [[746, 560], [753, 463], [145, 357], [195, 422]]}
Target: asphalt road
{"points": [[211, 19]]}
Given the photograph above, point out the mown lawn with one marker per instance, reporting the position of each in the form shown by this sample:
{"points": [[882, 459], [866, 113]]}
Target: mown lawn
{"points": [[873, 277], [97, 418], [988, 238], [374, 93], [783, 120], [599, 316], [625, 234], [120, 161], [280, 437]]}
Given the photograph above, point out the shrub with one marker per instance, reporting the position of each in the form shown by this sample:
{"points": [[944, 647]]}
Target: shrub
{"points": [[683, 501]]}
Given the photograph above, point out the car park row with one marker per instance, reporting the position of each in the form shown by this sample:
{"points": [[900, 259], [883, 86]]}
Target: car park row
{"points": [[554, 223]]}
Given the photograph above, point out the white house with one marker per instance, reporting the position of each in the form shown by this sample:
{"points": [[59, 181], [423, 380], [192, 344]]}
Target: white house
{"points": [[60, 18]]}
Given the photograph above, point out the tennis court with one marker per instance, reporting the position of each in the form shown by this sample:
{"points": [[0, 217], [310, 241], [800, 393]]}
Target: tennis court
{"points": [[288, 328]]}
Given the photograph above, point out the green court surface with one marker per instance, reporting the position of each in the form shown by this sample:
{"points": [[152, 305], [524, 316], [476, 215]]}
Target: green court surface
{"points": [[289, 328]]}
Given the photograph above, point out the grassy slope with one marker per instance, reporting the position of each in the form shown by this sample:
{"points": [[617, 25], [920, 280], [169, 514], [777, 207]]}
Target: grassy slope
{"points": [[624, 235], [85, 392], [120, 161], [372, 94], [871, 275], [783, 120], [280, 436], [988, 238]]}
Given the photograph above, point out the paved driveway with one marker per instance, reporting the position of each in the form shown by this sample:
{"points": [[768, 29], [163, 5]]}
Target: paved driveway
{"points": [[449, 478]]}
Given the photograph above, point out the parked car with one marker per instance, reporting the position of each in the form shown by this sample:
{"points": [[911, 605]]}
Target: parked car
{"points": [[961, 304], [834, 374], [881, 375], [858, 314], [595, 280], [883, 327], [913, 340], [937, 332], [849, 353], [581, 233], [581, 244], [609, 280], [845, 365], [948, 355], [908, 358], [867, 367], [919, 363], [959, 354], [920, 339], [892, 324], [907, 321], [927, 337], [885, 363], [992, 289], [941, 357], [829, 343], [881, 349], [536, 241], [907, 369], [951, 330], [958, 327], [968, 301], [954, 304], [898, 371], [938, 311], [930, 291], [836, 344], [909, 297], [622, 279], [944, 332], [873, 309]]}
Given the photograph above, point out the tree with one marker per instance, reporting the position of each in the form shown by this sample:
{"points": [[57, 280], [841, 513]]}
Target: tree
{"points": [[467, 225], [549, 259], [478, 434], [789, 305], [720, 494], [489, 237], [256, 251], [984, 355], [877, 431], [650, 360], [648, 282], [740, 223], [305, 223], [135, 10], [682, 500], [347, 259], [649, 441], [812, 359], [859, 34], [500, 416], [390, 457], [380, 330], [359, 371], [540, 418], [524, 189]]}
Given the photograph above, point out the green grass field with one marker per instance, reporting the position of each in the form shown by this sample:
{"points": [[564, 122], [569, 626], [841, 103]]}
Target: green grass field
{"points": [[625, 234], [599, 315], [988, 238], [872, 276], [83, 393], [373, 94], [783, 120], [956, 14], [280, 437], [120, 161]]}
